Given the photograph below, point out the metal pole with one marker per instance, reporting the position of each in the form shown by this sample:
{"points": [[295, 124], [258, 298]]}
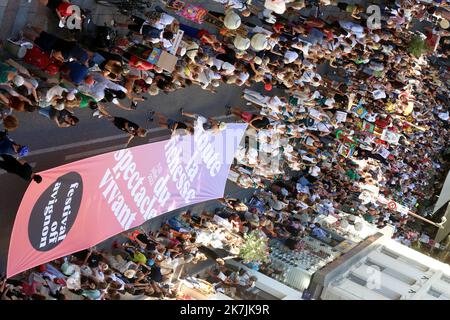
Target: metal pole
{"points": [[426, 220]]}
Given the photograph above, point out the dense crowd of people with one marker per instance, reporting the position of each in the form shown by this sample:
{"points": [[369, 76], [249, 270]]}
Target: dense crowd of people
{"points": [[343, 112]]}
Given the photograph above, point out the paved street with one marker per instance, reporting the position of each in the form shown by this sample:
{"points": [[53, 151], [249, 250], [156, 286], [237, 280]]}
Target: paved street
{"points": [[51, 146]]}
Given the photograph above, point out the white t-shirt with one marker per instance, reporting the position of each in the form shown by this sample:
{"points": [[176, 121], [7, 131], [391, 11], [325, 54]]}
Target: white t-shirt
{"points": [[444, 116], [290, 56], [314, 171], [235, 4], [164, 21], [244, 76], [228, 68], [55, 92], [216, 62], [274, 103], [309, 141]]}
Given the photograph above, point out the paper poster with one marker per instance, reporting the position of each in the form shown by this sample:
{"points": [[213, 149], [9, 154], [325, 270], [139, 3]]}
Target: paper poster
{"points": [[315, 113], [175, 4], [360, 111], [193, 13], [154, 56], [341, 116], [83, 203], [390, 137], [402, 209], [379, 94], [384, 152], [345, 150]]}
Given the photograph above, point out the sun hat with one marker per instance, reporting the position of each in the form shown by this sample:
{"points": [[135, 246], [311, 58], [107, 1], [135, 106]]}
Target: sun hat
{"points": [[259, 42], [444, 23], [18, 81], [222, 126], [67, 269], [129, 273], [232, 20], [60, 106], [148, 80], [70, 96], [241, 43], [257, 60]]}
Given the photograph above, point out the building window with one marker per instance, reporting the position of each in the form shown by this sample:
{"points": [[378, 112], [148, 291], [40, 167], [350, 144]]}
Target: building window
{"points": [[389, 253], [434, 293], [357, 279], [388, 293], [410, 262], [445, 278], [391, 272]]}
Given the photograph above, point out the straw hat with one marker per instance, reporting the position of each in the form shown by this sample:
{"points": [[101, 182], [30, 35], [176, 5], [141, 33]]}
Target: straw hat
{"points": [[222, 126], [129, 273], [259, 42], [257, 60], [241, 43], [444, 23], [232, 21]]}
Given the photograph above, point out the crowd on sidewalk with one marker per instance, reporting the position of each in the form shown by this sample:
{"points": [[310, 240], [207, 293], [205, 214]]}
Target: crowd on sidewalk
{"points": [[374, 123]]}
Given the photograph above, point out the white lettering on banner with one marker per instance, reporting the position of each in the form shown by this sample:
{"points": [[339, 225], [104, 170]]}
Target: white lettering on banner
{"points": [[183, 177], [66, 212], [48, 215], [374, 20], [116, 201], [206, 149], [74, 20], [56, 236], [125, 168]]}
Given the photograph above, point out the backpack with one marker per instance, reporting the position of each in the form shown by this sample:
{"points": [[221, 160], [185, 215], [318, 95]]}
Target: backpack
{"points": [[38, 58]]}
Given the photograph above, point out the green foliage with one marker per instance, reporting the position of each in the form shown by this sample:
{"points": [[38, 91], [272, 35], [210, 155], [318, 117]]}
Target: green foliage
{"points": [[417, 46], [255, 248]]}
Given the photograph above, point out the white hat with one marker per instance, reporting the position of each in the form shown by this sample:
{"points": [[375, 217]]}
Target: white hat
{"points": [[148, 80], [182, 51], [67, 269], [59, 106], [444, 23], [232, 20], [241, 43], [257, 60], [130, 273], [259, 42], [18, 81], [222, 126], [71, 96]]}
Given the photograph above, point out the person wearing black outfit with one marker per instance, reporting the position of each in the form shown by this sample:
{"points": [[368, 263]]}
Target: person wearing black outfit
{"points": [[19, 167]]}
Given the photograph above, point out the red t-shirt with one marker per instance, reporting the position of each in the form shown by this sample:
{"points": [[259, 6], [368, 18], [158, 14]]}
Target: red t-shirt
{"points": [[277, 27], [38, 58]]}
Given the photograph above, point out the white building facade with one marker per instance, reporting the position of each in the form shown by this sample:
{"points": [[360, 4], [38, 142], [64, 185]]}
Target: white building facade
{"points": [[383, 269]]}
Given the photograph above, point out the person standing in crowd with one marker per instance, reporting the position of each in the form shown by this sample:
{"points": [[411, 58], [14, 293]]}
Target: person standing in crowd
{"points": [[19, 167]]}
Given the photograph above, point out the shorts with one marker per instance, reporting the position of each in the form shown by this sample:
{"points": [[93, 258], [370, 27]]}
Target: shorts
{"points": [[45, 112]]}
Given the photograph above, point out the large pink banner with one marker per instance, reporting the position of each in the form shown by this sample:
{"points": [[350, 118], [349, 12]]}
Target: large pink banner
{"points": [[80, 204]]}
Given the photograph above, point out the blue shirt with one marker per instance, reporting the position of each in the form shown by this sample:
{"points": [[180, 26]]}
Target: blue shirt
{"points": [[77, 72], [319, 233]]}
